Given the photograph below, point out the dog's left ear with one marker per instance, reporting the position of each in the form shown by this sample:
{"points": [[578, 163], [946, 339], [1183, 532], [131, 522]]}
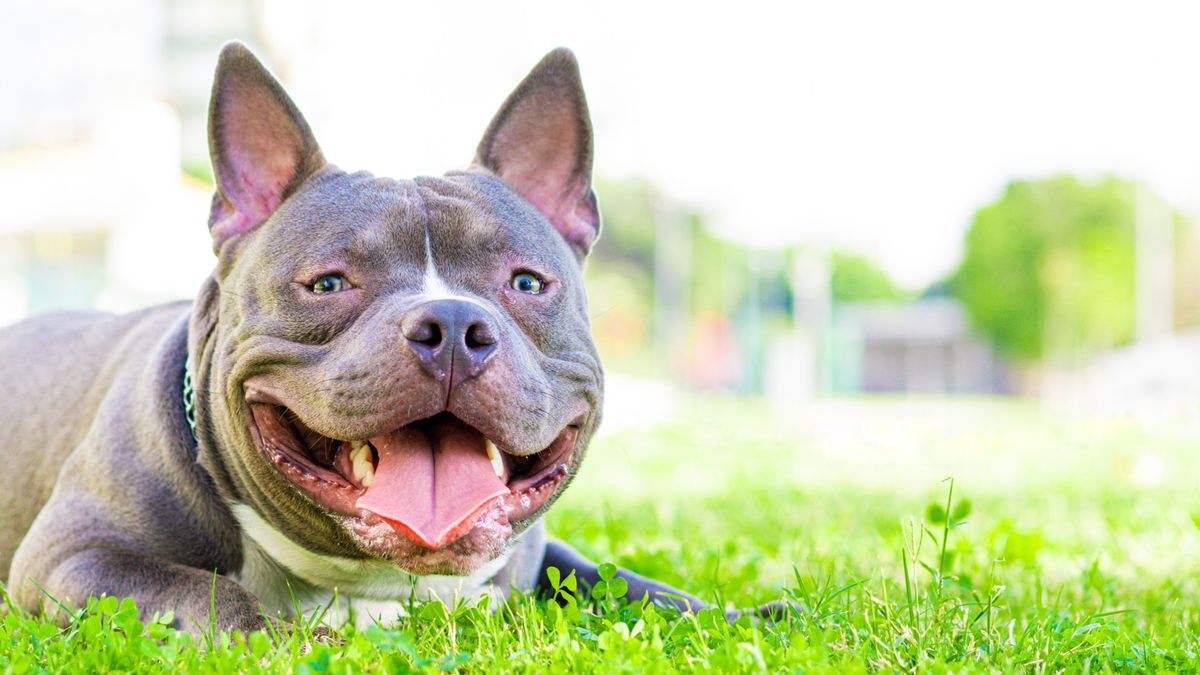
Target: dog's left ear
{"points": [[540, 143]]}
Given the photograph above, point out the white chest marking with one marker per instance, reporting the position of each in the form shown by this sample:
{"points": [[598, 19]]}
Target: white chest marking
{"points": [[283, 574]]}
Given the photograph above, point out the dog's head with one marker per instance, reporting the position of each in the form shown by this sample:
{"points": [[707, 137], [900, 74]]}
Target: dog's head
{"points": [[398, 368]]}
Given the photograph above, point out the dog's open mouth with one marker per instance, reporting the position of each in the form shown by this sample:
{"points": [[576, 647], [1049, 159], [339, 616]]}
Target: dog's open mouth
{"points": [[431, 480]]}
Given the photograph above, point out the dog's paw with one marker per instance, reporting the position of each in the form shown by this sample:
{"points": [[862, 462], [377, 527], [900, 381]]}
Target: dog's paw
{"points": [[320, 635], [324, 635], [771, 612], [284, 628]]}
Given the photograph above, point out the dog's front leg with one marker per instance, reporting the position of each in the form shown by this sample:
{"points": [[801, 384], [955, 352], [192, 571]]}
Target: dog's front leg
{"points": [[199, 599], [565, 558]]}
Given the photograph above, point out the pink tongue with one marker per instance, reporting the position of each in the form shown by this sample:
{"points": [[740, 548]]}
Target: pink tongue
{"points": [[432, 490]]}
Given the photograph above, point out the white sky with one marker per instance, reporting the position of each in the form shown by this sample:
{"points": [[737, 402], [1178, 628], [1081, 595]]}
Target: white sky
{"points": [[880, 126]]}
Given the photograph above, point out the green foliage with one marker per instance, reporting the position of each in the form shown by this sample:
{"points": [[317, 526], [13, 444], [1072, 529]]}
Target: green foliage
{"points": [[620, 272], [201, 172], [720, 273], [629, 209], [1049, 267], [854, 278]]}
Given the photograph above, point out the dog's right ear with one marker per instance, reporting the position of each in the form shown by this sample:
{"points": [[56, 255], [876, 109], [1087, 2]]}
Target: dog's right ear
{"points": [[261, 147]]}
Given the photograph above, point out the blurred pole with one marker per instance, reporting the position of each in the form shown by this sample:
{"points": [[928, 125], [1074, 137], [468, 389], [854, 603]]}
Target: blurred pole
{"points": [[672, 287], [811, 308], [1154, 280], [752, 331]]}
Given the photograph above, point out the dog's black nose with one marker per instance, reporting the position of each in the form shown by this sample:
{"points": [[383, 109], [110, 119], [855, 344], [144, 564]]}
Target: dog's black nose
{"points": [[448, 337]]}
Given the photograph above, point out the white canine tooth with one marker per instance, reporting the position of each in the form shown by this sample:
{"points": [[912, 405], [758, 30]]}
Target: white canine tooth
{"points": [[497, 460], [361, 464]]}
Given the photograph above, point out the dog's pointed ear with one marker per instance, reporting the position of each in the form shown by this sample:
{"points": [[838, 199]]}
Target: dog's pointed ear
{"points": [[261, 147], [540, 144]]}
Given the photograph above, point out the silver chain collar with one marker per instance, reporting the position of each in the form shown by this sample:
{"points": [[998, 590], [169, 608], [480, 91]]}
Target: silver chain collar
{"points": [[189, 396]]}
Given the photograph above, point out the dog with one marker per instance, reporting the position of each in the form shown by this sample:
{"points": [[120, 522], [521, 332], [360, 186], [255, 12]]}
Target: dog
{"points": [[378, 392]]}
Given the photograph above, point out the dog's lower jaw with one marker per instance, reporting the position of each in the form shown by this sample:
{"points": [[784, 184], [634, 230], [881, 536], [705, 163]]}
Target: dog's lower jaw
{"points": [[484, 542], [283, 573]]}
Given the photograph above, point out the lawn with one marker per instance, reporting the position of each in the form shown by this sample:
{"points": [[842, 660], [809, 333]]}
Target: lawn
{"points": [[1069, 542]]}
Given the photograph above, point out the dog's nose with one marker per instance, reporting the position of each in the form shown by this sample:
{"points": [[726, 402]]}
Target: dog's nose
{"points": [[450, 337]]}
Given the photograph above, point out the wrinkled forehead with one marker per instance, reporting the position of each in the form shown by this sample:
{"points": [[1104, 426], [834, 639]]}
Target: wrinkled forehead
{"points": [[459, 217]]}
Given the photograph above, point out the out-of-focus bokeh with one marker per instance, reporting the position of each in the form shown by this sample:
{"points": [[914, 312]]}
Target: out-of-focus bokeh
{"points": [[823, 201]]}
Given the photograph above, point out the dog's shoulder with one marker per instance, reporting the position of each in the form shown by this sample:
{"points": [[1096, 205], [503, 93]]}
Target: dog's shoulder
{"points": [[56, 365]]}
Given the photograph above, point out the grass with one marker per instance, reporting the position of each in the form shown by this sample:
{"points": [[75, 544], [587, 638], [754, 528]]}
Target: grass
{"points": [[1062, 543]]}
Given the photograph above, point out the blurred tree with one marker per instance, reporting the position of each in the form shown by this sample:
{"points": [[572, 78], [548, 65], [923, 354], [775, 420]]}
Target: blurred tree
{"points": [[620, 273], [720, 272], [1049, 267], [854, 278], [628, 208]]}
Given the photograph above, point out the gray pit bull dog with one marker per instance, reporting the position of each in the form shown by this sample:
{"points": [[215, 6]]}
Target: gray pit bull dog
{"points": [[388, 383]]}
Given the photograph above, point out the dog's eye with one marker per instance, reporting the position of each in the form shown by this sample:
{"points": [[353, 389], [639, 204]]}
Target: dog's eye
{"points": [[527, 282], [330, 283]]}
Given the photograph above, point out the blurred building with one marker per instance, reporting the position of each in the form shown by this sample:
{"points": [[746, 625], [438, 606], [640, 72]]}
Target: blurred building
{"points": [[1158, 375], [925, 346]]}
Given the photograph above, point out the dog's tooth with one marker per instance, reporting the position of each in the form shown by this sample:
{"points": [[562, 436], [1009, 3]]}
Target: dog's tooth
{"points": [[361, 464], [497, 460]]}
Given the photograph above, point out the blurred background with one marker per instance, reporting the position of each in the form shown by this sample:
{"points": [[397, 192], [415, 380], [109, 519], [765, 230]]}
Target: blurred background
{"points": [[832, 202]]}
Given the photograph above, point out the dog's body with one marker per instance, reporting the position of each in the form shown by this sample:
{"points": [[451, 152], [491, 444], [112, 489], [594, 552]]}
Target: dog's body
{"points": [[391, 381]]}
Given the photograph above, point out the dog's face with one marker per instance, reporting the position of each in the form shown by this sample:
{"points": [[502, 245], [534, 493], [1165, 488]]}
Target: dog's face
{"points": [[400, 368]]}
